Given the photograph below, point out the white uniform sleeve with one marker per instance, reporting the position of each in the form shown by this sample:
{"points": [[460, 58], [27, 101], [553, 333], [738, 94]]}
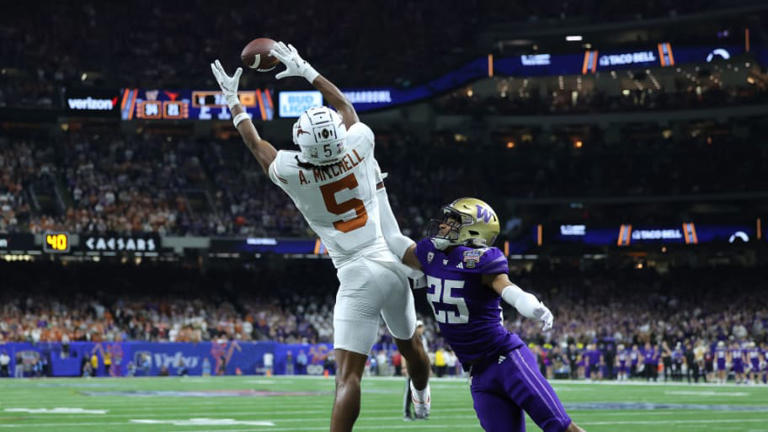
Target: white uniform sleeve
{"points": [[360, 137], [396, 241], [274, 171]]}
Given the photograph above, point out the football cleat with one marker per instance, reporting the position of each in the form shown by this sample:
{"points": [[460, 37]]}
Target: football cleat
{"points": [[421, 402]]}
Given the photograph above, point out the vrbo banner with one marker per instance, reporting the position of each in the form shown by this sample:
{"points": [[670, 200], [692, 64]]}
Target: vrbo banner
{"points": [[152, 358]]}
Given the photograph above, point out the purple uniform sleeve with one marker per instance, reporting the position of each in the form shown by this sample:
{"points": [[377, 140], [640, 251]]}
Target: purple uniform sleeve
{"points": [[423, 247], [494, 262], [485, 261]]}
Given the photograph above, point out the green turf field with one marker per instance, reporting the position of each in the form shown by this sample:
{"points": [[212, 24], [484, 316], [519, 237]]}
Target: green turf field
{"points": [[246, 404]]}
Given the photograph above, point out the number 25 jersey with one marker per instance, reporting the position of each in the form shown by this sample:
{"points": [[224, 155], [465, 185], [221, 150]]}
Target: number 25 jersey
{"points": [[468, 312], [338, 201]]}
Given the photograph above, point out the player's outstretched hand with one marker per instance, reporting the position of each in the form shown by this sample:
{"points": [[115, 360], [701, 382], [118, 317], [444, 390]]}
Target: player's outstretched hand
{"points": [[294, 64], [227, 83], [543, 314]]}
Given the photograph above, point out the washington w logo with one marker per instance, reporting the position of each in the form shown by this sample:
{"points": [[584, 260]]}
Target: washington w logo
{"points": [[483, 213]]}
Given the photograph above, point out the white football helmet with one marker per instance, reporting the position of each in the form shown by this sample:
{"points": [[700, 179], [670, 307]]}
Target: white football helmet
{"points": [[320, 134]]}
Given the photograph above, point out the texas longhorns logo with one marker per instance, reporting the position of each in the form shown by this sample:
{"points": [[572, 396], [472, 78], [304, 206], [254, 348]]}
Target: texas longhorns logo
{"points": [[300, 131]]}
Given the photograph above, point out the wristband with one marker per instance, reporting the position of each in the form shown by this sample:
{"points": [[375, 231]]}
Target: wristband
{"points": [[310, 74], [240, 117]]}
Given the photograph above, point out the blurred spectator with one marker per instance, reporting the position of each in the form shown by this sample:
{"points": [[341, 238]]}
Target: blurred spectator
{"points": [[5, 361]]}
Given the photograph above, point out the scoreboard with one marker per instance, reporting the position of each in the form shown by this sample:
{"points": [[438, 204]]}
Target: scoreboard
{"points": [[56, 242], [191, 104]]}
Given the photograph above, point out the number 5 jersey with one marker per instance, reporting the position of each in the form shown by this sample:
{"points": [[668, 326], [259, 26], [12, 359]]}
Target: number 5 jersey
{"points": [[338, 201]]}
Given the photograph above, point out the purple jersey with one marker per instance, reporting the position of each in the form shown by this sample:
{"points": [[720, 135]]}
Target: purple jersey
{"points": [[593, 357], [737, 355], [505, 376], [737, 358], [468, 313], [634, 355], [650, 356], [720, 358], [754, 358]]}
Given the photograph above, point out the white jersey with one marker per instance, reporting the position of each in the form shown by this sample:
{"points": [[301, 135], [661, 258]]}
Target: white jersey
{"points": [[338, 201]]}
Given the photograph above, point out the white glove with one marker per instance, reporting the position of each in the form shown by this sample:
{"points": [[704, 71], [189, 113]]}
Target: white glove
{"points": [[227, 83], [543, 314], [294, 64]]}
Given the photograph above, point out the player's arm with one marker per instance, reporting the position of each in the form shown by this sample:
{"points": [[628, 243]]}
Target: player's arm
{"points": [[409, 258], [297, 66], [390, 229], [524, 302], [338, 101], [261, 149]]}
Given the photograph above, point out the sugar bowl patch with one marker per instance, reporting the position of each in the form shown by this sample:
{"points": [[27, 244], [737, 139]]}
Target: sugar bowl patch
{"points": [[472, 257]]}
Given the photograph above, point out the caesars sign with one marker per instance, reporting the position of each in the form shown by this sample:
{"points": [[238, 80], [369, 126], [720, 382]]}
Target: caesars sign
{"points": [[131, 244]]}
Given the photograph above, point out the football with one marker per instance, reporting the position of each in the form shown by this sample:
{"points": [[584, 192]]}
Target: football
{"points": [[255, 55]]}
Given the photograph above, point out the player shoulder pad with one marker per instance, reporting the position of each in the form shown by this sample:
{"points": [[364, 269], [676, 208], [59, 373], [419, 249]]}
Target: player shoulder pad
{"points": [[283, 167], [488, 260], [360, 138], [425, 251]]}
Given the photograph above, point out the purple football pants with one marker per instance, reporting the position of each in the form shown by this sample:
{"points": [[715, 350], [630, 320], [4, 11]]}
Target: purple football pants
{"points": [[510, 384]]}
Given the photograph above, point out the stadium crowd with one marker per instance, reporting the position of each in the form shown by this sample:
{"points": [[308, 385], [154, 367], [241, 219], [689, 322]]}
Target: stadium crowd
{"points": [[88, 44], [600, 313], [545, 100], [110, 182]]}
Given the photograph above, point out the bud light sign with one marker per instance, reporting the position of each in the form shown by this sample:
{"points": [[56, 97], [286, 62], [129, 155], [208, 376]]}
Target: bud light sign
{"points": [[293, 103]]}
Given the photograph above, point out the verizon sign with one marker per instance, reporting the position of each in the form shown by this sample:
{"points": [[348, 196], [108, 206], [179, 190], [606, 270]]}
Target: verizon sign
{"points": [[92, 104]]}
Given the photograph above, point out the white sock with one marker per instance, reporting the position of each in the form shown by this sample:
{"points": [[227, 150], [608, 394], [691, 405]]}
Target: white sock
{"points": [[420, 395]]}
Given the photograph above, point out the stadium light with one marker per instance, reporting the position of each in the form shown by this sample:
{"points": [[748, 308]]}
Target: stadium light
{"points": [[573, 38]]}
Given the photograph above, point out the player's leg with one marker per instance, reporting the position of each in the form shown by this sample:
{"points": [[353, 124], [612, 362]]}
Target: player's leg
{"points": [[496, 413], [418, 360], [346, 404], [407, 402], [399, 314], [528, 389], [355, 327]]}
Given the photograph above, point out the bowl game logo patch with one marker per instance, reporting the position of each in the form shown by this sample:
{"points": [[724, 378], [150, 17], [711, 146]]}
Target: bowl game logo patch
{"points": [[472, 257]]}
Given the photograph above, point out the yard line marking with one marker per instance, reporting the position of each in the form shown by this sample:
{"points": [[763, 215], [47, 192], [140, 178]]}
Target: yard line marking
{"points": [[652, 406], [705, 393], [57, 410], [205, 422], [651, 422]]}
